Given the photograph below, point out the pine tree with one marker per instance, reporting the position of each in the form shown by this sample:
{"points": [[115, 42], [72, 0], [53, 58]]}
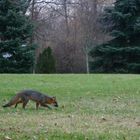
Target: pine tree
{"points": [[46, 62], [16, 55], [122, 54]]}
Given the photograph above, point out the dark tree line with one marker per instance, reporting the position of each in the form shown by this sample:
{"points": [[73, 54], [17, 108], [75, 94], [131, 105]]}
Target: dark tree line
{"points": [[122, 54], [72, 29], [16, 52]]}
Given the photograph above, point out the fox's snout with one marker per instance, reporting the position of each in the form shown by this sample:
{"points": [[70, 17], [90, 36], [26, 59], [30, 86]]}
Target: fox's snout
{"points": [[56, 105]]}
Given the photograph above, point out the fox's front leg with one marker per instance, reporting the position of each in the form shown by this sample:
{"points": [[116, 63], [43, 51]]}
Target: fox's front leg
{"points": [[20, 101], [37, 105], [45, 105]]}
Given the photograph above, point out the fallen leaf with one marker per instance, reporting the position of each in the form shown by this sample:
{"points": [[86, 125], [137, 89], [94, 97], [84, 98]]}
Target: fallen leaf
{"points": [[55, 124], [138, 123], [63, 106], [103, 118], [7, 138]]}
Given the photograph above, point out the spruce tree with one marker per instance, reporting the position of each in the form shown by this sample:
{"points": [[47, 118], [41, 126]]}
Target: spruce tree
{"points": [[16, 54], [46, 62], [122, 54]]}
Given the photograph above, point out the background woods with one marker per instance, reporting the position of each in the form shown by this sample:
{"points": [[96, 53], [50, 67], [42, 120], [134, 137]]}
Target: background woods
{"points": [[70, 28], [83, 35]]}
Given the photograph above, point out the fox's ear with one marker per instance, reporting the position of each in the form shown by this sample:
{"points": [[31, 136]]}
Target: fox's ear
{"points": [[54, 98]]}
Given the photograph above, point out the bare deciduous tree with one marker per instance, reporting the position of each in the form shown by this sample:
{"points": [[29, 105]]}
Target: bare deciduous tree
{"points": [[70, 28]]}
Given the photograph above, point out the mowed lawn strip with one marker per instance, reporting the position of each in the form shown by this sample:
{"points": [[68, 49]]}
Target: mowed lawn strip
{"points": [[91, 107]]}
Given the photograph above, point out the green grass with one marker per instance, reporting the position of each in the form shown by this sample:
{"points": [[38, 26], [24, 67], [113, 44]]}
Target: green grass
{"points": [[91, 107]]}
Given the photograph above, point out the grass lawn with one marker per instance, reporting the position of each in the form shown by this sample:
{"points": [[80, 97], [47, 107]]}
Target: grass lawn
{"points": [[91, 107]]}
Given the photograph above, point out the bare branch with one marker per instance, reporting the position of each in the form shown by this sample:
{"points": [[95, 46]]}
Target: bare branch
{"points": [[56, 3]]}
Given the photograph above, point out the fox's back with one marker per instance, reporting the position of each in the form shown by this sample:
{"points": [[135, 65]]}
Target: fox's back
{"points": [[31, 94]]}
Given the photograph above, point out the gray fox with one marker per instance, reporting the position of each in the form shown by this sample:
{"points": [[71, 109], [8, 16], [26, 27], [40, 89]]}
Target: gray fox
{"points": [[26, 95]]}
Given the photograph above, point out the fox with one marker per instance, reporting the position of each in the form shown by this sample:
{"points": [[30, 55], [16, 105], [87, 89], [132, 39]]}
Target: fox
{"points": [[25, 95]]}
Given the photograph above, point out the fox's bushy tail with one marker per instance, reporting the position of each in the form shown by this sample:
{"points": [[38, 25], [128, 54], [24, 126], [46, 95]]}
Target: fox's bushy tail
{"points": [[13, 101]]}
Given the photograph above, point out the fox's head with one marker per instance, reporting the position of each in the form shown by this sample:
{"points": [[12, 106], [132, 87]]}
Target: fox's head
{"points": [[52, 101]]}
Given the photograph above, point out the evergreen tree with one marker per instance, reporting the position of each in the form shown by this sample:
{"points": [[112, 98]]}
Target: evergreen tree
{"points": [[122, 54], [46, 62], [16, 55]]}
